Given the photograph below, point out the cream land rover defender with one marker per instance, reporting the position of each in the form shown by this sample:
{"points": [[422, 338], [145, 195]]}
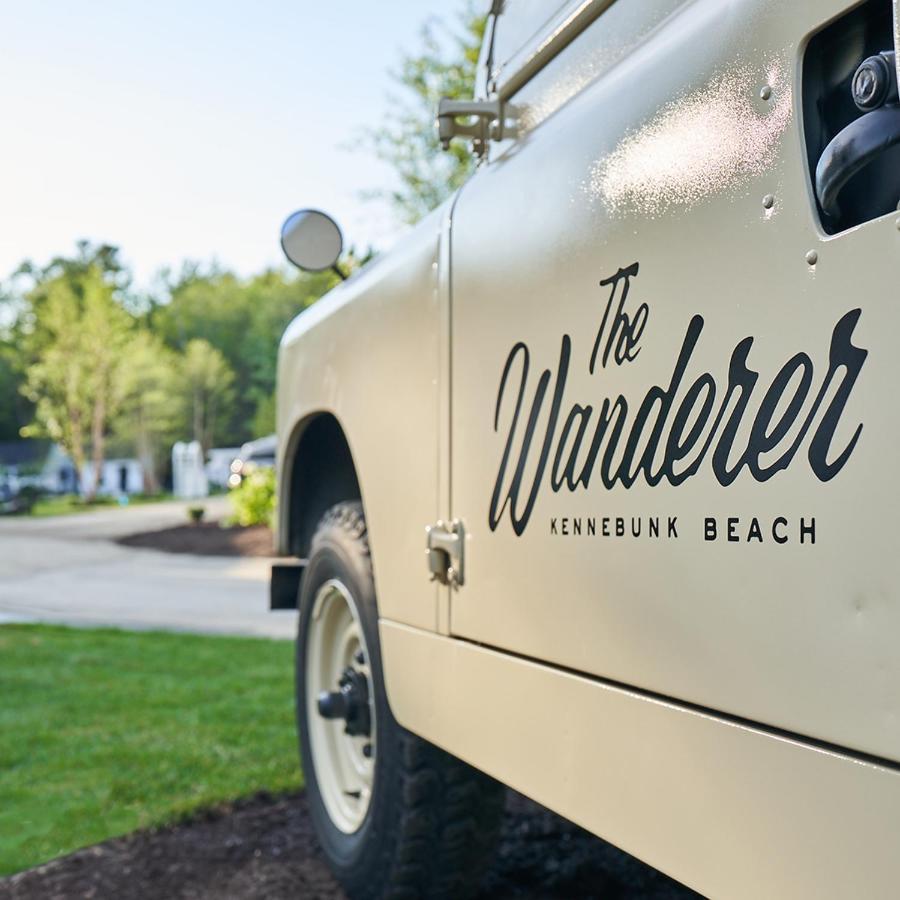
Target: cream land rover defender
{"points": [[592, 480]]}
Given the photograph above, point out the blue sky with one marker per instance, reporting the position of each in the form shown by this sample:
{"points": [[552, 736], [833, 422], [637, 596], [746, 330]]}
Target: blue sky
{"points": [[190, 129]]}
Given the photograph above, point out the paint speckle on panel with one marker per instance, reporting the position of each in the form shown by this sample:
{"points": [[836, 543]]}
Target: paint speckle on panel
{"points": [[698, 145]]}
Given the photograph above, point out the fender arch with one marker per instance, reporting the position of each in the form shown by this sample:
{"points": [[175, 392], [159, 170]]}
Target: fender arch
{"points": [[317, 472]]}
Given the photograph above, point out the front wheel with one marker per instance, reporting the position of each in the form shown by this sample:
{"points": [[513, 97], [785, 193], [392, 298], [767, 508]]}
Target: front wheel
{"points": [[396, 816]]}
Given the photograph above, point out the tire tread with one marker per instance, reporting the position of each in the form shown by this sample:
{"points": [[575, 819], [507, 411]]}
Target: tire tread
{"points": [[442, 841]]}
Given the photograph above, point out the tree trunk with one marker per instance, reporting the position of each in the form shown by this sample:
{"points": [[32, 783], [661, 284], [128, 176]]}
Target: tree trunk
{"points": [[210, 423], [76, 449], [198, 415], [145, 455], [98, 444]]}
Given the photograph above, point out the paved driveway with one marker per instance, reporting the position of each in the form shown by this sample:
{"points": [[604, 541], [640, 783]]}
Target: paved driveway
{"points": [[68, 570]]}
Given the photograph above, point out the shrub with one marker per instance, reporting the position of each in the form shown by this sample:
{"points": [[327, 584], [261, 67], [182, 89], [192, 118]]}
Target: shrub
{"points": [[26, 498], [196, 513], [253, 500]]}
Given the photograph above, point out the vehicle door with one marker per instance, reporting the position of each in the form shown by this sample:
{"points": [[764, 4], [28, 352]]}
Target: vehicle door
{"points": [[673, 429]]}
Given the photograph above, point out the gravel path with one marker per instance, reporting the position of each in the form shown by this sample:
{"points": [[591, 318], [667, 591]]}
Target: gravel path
{"points": [[263, 849]]}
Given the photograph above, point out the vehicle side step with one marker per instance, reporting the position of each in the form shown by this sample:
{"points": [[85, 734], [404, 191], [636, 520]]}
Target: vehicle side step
{"points": [[284, 587]]}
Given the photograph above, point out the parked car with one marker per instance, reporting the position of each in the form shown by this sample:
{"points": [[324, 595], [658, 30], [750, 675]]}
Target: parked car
{"points": [[218, 465], [258, 454], [589, 478]]}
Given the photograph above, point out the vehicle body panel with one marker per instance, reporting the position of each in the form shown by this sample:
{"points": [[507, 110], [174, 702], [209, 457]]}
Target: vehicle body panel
{"points": [[664, 161], [729, 809], [368, 354]]}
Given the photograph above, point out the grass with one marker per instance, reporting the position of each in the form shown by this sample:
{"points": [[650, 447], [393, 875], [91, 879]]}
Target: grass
{"points": [[104, 731], [66, 504]]}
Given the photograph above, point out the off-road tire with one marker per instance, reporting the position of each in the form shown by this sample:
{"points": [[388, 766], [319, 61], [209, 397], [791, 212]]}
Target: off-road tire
{"points": [[432, 821]]}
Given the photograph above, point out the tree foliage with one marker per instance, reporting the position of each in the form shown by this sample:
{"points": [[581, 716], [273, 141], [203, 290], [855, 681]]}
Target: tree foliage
{"points": [[444, 66], [209, 384], [243, 320], [77, 337], [153, 406], [15, 410], [98, 367]]}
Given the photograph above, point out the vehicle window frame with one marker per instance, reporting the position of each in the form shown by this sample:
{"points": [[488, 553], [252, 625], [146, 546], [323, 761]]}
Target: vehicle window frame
{"points": [[486, 53], [545, 44], [497, 67]]}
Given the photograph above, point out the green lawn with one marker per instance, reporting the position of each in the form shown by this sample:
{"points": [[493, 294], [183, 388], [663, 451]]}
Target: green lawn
{"points": [[105, 731], [65, 504]]}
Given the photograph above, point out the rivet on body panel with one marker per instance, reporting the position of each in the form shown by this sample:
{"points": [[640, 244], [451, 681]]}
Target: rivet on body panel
{"points": [[812, 257], [765, 92]]}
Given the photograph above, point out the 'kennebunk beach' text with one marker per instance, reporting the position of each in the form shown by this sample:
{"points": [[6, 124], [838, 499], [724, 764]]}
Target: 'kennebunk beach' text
{"points": [[728, 529]]}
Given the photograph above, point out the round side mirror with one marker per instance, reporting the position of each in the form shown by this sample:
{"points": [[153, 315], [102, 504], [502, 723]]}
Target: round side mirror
{"points": [[311, 240]]}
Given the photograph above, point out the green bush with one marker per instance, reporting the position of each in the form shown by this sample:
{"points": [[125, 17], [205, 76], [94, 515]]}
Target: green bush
{"points": [[253, 500], [27, 497]]}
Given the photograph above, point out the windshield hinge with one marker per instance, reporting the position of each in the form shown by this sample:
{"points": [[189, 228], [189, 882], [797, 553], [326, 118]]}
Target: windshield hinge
{"points": [[444, 548], [483, 121]]}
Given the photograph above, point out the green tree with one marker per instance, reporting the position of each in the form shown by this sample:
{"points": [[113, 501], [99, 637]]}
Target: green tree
{"points": [[15, 411], [12, 416], [152, 406], [77, 271], [444, 67], [264, 417], [75, 380], [244, 320], [208, 381]]}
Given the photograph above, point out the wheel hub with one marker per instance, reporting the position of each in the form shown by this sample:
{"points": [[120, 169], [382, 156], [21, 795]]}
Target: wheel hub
{"points": [[349, 702]]}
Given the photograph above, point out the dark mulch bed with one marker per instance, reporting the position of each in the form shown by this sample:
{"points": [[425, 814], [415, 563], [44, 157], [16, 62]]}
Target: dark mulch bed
{"points": [[206, 539], [264, 848]]}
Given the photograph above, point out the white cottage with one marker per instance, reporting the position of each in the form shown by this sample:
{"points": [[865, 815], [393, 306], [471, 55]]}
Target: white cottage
{"points": [[118, 476], [33, 463]]}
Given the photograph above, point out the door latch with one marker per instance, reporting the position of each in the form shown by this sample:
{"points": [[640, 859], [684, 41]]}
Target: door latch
{"points": [[488, 124], [445, 545]]}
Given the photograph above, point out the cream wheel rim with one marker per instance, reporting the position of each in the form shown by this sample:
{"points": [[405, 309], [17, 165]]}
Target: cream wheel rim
{"points": [[344, 763]]}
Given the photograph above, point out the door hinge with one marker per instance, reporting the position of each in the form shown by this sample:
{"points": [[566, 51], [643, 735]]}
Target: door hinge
{"points": [[444, 550]]}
